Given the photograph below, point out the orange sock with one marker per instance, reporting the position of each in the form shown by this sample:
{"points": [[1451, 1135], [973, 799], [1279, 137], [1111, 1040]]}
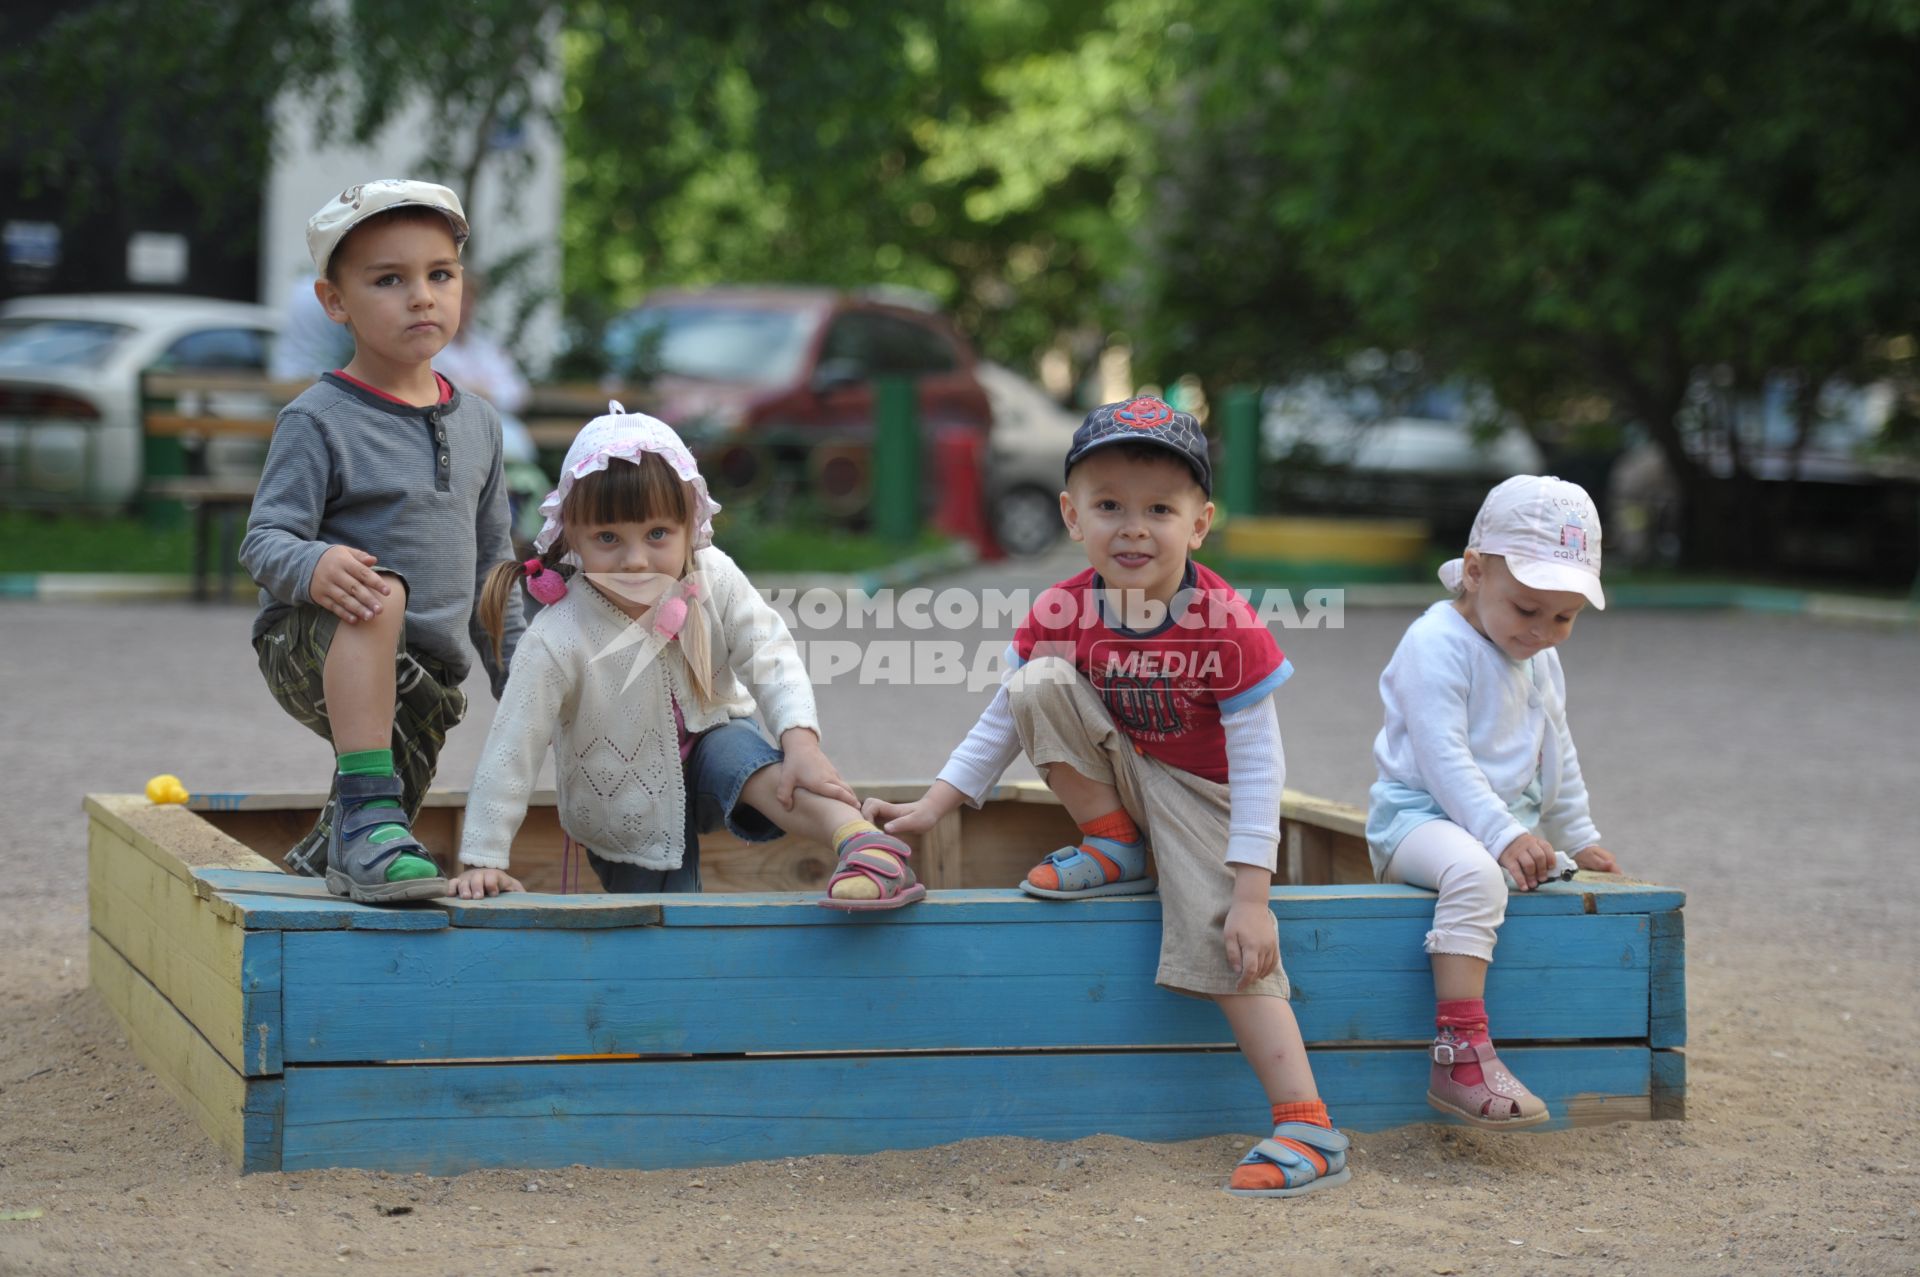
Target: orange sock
{"points": [[1267, 1175], [1116, 825]]}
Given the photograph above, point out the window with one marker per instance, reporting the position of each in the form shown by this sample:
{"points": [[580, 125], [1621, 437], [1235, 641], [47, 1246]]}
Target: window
{"points": [[888, 347], [212, 348]]}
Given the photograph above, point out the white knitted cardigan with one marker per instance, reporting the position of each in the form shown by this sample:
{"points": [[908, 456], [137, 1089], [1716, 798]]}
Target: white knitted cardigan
{"points": [[616, 751]]}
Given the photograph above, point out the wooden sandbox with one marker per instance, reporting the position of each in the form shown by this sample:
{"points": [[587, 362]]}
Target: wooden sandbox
{"points": [[745, 1023]]}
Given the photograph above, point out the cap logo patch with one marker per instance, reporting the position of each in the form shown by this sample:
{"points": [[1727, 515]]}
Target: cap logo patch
{"points": [[1144, 413], [1574, 537]]}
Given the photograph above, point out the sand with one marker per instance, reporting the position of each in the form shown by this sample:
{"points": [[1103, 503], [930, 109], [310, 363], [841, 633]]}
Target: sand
{"points": [[1764, 764]]}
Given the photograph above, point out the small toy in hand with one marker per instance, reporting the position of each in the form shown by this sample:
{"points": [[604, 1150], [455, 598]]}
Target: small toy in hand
{"points": [[166, 788]]}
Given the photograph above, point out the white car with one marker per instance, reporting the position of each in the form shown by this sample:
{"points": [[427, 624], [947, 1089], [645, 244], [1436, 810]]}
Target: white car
{"points": [[1027, 452], [70, 371]]}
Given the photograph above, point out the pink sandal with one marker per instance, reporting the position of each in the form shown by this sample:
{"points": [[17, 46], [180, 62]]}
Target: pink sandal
{"points": [[895, 880], [1498, 1102]]}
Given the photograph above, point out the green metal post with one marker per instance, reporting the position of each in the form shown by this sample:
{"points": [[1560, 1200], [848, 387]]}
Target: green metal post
{"points": [[896, 459], [1241, 491]]}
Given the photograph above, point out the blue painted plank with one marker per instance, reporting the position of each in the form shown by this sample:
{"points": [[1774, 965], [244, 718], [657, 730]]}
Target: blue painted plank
{"points": [[463, 994], [443, 1120], [1290, 904], [285, 902], [527, 911], [1667, 986], [1669, 1072], [260, 975], [263, 1124]]}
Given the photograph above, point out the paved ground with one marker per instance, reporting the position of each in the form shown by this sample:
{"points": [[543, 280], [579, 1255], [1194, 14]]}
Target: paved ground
{"points": [[1765, 764]]}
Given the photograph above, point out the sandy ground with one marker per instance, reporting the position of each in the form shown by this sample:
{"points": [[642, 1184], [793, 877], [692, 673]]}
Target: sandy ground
{"points": [[1765, 764]]}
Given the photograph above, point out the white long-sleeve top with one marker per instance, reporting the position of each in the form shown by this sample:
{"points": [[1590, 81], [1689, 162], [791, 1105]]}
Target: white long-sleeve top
{"points": [[1256, 768], [573, 685], [1469, 732]]}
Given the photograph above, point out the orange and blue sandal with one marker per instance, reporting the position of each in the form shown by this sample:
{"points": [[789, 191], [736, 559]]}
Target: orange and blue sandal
{"points": [[1323, 1165], [890, 874], [1097, 867]]}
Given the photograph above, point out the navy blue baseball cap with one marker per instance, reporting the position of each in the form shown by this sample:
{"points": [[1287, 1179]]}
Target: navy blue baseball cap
{"points": [[1145, 420]]}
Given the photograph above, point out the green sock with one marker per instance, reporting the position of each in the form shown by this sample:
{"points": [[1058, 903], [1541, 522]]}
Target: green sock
{"points": [[379, 762]]}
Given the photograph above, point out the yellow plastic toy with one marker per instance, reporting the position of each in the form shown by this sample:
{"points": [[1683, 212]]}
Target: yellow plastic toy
{"points": [[166, 789]]}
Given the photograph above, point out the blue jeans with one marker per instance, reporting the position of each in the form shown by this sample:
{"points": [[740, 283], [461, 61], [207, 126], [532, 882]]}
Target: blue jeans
{"points": [[717, 770]]}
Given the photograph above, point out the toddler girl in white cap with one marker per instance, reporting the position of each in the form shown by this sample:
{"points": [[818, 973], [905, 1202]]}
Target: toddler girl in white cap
{"points": [[1480, 789]]}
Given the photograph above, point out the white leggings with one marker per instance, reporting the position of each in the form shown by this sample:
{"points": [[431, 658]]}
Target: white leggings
{"points": [[1443, 857]]}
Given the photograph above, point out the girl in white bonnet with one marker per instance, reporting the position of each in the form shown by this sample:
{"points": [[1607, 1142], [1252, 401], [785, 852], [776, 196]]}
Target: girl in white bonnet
{"points": [[1480, 789], [643, 672]]}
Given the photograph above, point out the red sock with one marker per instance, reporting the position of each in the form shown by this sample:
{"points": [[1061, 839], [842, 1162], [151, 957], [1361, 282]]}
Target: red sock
{"points": [[1263, 1175], [1467, 1017]]}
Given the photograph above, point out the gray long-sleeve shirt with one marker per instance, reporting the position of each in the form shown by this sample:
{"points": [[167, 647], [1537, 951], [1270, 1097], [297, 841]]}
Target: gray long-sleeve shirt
{"points": [[417, 488]]}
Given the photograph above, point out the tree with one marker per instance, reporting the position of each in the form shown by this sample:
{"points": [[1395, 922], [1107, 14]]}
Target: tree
{"points": [[1606, 196]]}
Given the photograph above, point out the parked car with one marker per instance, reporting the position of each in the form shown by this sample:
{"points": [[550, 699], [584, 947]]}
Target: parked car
{"points": [[1025, 459], [70, 370], [1420, 451], [735, 360]]}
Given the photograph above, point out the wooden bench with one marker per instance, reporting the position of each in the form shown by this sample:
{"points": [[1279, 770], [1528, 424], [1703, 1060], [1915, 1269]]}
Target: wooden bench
{"points": [[747, 1023]]}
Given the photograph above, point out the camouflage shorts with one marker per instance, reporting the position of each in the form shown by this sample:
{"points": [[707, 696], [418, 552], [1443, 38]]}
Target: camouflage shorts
{"points": [[427, 705]]}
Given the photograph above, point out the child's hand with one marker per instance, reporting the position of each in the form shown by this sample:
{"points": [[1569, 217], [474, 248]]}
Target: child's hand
{"points": [[1253, 942], [344, 583], [1597, 859], [1251, 935], [475, 883], [807, 767], [1529, 858], [916, 817]]}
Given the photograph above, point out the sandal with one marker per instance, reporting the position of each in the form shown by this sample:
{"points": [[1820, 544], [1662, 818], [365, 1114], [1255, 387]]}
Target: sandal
{"points": [[1303, 1176], [356, 865], [1082, 876], [1499, 1101], [893, 877]]}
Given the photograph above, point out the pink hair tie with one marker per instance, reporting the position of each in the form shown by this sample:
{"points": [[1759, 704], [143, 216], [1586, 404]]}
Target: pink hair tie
{"points": [[673, 612], [545, 584]]}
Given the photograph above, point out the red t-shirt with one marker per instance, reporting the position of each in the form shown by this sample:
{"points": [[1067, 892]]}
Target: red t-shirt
{"points": [[1166, 688]]}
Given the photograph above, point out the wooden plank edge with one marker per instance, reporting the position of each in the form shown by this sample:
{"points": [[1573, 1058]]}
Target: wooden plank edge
{"points": [[1668, 1083], [174, 837], [1667, 980], [242, 1117]]}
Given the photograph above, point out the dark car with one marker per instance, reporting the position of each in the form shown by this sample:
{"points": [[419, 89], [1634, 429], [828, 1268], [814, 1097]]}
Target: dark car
{"points": [[775, 388]]}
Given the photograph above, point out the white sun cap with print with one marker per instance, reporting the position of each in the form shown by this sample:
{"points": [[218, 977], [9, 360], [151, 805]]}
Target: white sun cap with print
{"points": [[625, 436], [1546, 529]]}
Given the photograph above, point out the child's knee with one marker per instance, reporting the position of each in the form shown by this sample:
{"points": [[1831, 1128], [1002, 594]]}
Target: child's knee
{"points": [[1476, 885]]}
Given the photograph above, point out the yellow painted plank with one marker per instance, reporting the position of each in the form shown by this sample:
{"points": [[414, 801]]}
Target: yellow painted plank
{"points": [[1341, 818], [191, 1070], [175, 939], [172, 836]]}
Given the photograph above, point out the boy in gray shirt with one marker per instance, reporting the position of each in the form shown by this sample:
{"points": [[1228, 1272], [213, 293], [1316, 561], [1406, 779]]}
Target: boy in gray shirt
{"points": [[381, 509]]}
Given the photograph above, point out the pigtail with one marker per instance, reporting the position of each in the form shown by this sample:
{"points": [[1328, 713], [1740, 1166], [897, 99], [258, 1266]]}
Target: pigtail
{"points": [[695, 637], [498, 593]]}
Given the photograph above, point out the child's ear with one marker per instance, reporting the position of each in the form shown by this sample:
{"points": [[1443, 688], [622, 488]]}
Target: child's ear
{"points": [[1202, 524], [329, 294], [1071, 517], [1472, 571]]}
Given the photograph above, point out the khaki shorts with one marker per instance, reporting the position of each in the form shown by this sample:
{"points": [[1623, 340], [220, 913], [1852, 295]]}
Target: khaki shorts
{"points": [[1061, 719]]}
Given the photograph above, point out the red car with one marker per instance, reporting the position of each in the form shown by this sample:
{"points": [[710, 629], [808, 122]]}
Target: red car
{"points": [[776, 380]]}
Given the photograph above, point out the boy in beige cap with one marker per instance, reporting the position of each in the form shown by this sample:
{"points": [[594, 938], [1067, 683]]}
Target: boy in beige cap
{"points": [[380, 510]]}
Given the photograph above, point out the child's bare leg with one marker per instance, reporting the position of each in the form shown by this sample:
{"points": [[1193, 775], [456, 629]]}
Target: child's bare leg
{"points": [[1269, 1036], [1315, 1154], [1457, 975], [1085, 799], [811, 816], [358, 682], [824, 820], [358, 676]]}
